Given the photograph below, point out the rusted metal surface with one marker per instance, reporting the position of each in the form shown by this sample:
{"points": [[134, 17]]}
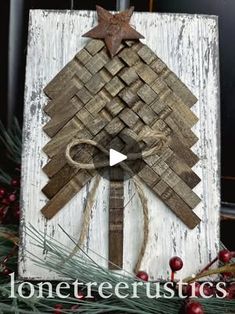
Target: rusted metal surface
{"points": [[113, 28]]}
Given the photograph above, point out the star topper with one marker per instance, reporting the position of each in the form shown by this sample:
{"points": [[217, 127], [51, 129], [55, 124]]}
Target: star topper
{"points": [[113, 28]]}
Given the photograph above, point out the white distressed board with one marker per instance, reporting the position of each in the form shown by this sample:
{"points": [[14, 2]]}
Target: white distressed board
{"points": [[188, 44]]}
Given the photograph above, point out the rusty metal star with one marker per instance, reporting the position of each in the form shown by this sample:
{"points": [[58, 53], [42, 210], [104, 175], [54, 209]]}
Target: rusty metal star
{"points": [[113, 28]]}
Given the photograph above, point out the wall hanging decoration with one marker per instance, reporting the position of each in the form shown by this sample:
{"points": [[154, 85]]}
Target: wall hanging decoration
{"points": [[144, 86]]}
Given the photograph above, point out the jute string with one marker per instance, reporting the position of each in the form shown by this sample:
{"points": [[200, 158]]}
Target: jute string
{"points": [[162, 140]]}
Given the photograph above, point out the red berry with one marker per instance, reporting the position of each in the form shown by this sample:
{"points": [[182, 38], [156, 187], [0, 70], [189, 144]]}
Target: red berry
{"points": [[225, 256], [80, 295], [15, 182], [2, 192], [142, 275], [5, 201], [194, 289], [227, 276], [6, 271], [194, 308], [12, 198], [16, 213], [58, 308], [176, 263], [231, 292], [208, 290]]}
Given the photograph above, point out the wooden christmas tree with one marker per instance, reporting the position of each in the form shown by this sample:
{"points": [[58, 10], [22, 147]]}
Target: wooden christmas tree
{"points": [[116, 87]]}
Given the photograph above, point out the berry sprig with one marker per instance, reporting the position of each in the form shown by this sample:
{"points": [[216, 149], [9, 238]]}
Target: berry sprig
{"points": [[176, 264], [9, 202], [5, 271], [194, 307], [224, 256], [142, 275]]}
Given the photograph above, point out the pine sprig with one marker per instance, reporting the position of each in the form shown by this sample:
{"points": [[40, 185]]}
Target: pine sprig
{"points": [[80, 266], [11, 140], [86, 270], [5, 178]]}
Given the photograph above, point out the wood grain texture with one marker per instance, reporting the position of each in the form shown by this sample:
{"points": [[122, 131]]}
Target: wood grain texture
{"points": [[116, 217], [143, 79], [188, 44]]}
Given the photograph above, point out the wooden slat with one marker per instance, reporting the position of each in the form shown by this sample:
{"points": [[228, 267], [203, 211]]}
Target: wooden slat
{"points": [[158, 66], [145, 112], [128, 96], [58, 161], [97, 62], [184, 153], [116, 218], [114, 127], [71, 130], [145, 73], [180, 89], [159, 169], [115, 106], [114, 65], [128, 75], [114, 86], [61, 173], [59, 120], [94, 46], [186, 135], [53, 88], [176, 164], [177, 205], [93, 124], [181, 108], [147, 94], [129, 56], [129, 117], [83, 56], [146, 54], [64, 176], [55, 105], [98, 102], [179, 187], [149, 176], [66, 194], [97, 82]]}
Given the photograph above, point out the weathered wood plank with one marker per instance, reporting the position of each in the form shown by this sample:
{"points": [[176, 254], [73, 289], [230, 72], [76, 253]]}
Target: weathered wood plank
{"points": [[116, 218], [188, 45]]}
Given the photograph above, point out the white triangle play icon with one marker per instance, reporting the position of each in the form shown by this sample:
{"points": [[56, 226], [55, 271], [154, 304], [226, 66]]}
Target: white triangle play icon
{"points": [[115, 157]]}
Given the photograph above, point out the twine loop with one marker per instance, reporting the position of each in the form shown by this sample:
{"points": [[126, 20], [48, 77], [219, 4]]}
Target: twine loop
{"points": [[132, 156], [162, 141]]}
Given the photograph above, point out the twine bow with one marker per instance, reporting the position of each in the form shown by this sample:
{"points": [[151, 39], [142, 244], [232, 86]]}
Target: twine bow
{"points": [[162, 140]]}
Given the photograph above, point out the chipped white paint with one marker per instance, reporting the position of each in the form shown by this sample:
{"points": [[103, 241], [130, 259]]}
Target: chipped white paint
{"points": [[189, 46]]}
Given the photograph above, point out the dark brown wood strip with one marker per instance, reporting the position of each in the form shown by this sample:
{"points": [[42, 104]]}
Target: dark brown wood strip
{"points": [[65, 194], [53, 88], [59, 120], [116, 218], [58, 103], [177, 205], [185, 153]]}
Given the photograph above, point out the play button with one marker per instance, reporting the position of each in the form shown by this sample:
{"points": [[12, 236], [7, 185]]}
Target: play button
{"points": [[118, 149], [115, 157]]}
